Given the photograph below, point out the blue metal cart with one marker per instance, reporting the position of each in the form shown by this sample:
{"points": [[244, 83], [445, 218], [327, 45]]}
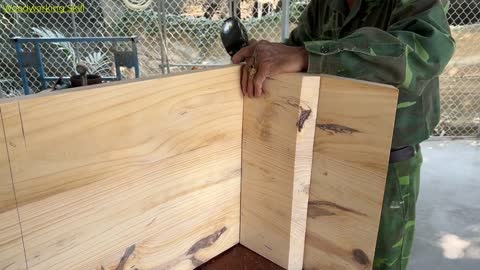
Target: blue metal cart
{"points": [[34, 59]]}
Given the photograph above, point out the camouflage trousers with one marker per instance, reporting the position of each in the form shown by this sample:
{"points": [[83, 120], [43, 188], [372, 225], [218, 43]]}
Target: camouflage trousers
{"points": [[397, 223]]}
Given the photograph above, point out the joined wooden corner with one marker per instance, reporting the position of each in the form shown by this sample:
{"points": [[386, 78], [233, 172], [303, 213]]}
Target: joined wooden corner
{"points": [[169, 172]]}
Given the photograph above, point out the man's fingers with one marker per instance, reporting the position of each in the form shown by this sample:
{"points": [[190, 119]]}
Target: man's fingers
{"points": [[258, 84], [250, 87], [244, 79], [252, 80], [260, 77], [247, 81], [243, 54]]}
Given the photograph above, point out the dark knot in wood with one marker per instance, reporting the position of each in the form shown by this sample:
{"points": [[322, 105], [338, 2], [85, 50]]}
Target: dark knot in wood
{"points": [[207, 241], [304, 115], [360, 257], [337, 129], [124, 259], [327, 204]]}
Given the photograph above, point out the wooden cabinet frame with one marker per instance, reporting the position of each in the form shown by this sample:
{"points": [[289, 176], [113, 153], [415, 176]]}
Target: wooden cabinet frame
{"points": [[169, 172]]}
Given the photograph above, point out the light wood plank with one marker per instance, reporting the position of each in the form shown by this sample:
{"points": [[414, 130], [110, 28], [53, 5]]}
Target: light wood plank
{"points": [[277, 150], [147, 174], [356, 122], [12, 256], [352, 143], [140, 175]]}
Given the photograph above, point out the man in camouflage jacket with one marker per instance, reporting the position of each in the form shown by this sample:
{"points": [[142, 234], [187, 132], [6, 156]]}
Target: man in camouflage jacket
{"points": [[404, 43]]}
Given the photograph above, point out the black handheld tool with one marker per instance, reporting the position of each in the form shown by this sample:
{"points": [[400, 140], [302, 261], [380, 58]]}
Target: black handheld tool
{"points": [[234, 35]]}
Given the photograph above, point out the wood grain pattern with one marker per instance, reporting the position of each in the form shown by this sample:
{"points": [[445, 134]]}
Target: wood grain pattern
{"points": [[143, 175], [146, 174], [352, 144], [277, 150], [11, 248]]}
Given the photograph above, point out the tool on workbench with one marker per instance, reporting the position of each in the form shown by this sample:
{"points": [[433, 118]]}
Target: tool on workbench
{"points": [[234, 35], [82, 69], [83, 79], [58, 84]]}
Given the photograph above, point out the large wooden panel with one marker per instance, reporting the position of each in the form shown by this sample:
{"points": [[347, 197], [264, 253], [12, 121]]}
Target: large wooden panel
{"points": [[352, 143], [278, 138], [142, 175], [11, 248]]}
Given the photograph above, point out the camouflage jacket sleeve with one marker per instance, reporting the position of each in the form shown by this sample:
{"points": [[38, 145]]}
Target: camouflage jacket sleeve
{"points": [[414, 48]]}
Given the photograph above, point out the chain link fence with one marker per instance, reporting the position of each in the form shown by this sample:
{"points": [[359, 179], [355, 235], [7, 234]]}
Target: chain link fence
{"points": [[460, 83], [101, 18], [182, 35]]}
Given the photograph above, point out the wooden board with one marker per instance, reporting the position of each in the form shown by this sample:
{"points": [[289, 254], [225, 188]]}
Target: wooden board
{"points": [[146, 174], [11, 248], [142, 175], [277, 150], [352, 144]]}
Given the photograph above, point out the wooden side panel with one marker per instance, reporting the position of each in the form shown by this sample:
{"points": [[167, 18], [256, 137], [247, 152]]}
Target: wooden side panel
{"points": [[142, 175], [278, 138], [12, 256], [352, 143]]}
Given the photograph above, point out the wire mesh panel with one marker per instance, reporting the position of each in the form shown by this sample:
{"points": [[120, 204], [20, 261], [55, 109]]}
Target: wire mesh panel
{"points": [[192, 28], [178, 35], [78, 18], [192, 33], [262, 19], [460, 83], [297, 8], [173, 35]]}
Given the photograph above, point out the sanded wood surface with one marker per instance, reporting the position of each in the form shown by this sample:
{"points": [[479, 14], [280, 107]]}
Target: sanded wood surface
{"points": [[277, 150], [11, 248], [352, 143], [146, 174], [142, 175]]}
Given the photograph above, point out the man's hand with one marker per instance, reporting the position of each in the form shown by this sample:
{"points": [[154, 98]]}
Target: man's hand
{"points": [[265, 59]]}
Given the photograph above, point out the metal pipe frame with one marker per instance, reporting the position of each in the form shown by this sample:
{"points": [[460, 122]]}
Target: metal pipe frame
{"points": [[37, 41], [285, 19], [23, 72], [73, 39]]}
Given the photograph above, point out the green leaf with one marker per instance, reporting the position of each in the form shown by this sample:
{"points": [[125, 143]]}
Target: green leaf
{"points": [[421, 51], [408, 71], [406, 104], [392, 263], [446, 7], [409, 224], [398, 244], [404, 180]]}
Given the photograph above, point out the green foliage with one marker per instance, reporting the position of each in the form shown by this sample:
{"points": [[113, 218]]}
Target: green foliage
{"points": [[264, 22], [9, 83], [296, 9], [202, 28], [146, 20], [65, 47], [195, 26], [97, 62]]}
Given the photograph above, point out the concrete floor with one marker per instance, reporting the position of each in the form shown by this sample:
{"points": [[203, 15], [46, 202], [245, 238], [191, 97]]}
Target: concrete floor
{"points": [[448, 208]]}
